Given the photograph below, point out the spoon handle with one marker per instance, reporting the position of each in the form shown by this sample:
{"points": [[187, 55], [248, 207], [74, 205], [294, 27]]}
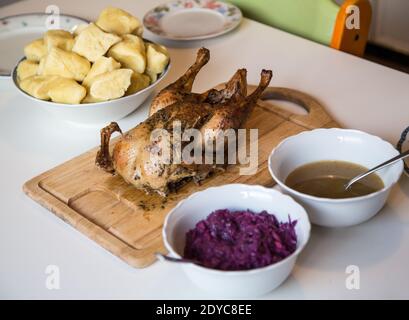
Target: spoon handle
{"points": [[161, 256], [382, 165], [5, 73]]}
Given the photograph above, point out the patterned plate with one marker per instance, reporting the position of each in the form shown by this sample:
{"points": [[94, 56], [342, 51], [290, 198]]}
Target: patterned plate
{"points": [[17, 31], [192, 19]]}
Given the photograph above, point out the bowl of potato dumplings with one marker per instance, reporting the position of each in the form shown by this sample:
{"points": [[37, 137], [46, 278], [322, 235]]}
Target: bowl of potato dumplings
{"points": [[99, 72]]}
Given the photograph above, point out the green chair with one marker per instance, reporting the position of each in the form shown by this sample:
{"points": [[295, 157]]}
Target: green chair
{"points": [[322, 21]]}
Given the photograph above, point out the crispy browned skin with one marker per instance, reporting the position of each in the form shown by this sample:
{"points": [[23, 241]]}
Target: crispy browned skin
{"points": [[181, 89], [138, 158]]}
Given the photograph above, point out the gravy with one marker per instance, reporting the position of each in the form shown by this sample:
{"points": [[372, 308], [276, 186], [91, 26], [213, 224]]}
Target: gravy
{"points": [[327, 179]]}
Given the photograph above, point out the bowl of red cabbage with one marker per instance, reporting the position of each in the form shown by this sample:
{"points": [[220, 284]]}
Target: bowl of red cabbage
{"points": [[244, 238]]}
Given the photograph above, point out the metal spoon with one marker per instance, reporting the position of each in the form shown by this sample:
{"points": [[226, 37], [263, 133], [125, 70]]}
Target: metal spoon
{"points": [[382, 165], [163, 257], [5, 73]]}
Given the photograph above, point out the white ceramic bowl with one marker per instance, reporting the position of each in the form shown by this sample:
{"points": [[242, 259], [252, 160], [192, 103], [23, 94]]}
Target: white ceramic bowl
{"points": [[98, 113], [336, 144], [233, 284]]}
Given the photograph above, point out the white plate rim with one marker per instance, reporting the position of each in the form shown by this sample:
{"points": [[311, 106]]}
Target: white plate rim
{"points": [[164, 35]]}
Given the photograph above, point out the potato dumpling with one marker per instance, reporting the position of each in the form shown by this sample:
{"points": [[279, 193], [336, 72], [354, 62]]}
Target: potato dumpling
{"points": [[93, 43], [138, 82], [89, 99], [152, 75], [79, 28], [59, 38], [118, 21], [102, 65], [130, 52], [37, 86], [65, 64], [35, 50], [110, 85], [26, 68], [64, 90], [97, 61], [157, 57]]}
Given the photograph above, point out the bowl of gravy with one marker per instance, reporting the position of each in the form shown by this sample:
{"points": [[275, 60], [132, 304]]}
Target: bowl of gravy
{"points": [[314, 166]]}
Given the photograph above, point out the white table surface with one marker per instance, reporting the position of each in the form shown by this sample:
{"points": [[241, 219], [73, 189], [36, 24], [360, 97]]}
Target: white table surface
{"points": [[357, 93]]}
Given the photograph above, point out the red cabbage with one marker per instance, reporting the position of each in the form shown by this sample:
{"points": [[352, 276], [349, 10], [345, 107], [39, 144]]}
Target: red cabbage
{"points": [[240, 240]]}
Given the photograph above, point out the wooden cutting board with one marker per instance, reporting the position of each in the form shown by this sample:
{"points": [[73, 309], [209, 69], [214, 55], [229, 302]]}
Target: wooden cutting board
{"points": [[126, 221]]}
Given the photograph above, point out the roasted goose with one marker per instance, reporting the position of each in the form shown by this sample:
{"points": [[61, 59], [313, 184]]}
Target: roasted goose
{"points": [[181, 89], [139, 159]]}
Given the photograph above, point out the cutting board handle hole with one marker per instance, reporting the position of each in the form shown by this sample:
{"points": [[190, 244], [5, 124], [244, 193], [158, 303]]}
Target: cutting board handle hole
{"points": [[287, 106]]}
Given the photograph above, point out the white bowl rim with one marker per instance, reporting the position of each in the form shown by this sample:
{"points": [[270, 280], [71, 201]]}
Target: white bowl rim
{"points": [[241, 272], [96, 104], [330, 200]]}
